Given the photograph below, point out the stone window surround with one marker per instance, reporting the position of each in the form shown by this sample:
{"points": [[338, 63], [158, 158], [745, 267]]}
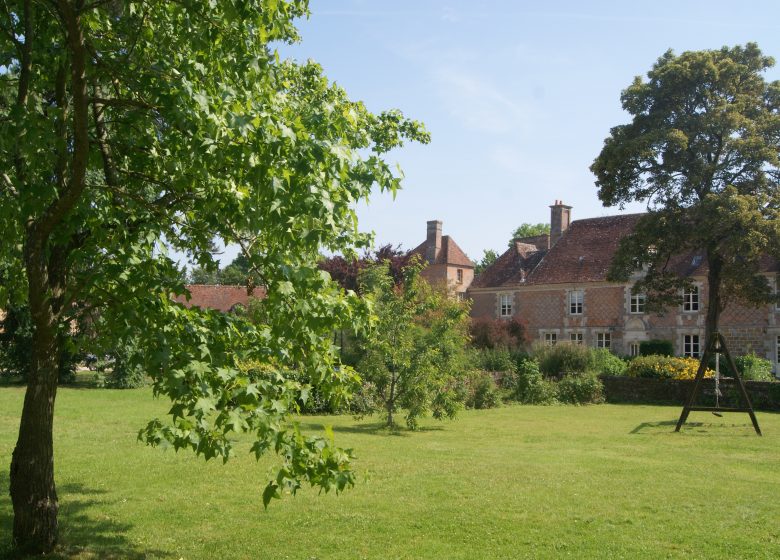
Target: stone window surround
{"points": [[603, 339], [636, 302], [549, 337], [695, 304], [575, 301], [505, 301]]}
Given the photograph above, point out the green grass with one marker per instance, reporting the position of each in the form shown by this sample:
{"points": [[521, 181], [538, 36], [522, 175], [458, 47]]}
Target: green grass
{"points": [[516, 482]]}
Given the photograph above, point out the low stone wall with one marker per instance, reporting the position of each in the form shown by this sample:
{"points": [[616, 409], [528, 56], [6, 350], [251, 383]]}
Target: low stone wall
{"points": [[765, 395]]}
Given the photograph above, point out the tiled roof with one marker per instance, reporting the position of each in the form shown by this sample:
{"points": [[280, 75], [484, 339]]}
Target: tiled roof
{"points": [[221, 298], [512, 267], [450, 253], [585, 251]]}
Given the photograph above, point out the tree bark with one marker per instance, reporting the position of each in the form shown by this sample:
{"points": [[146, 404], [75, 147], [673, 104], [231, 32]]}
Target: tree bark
{"points": [[33, 492], [714, 300]]}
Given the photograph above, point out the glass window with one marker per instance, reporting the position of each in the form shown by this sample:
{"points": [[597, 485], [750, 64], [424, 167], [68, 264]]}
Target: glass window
{"points": [[459, 274], [638, 303], [691, 299], [576, 297], [633, 349], [603, 340], [691, 346], [505, 305], [550, 338], [575, 337]]}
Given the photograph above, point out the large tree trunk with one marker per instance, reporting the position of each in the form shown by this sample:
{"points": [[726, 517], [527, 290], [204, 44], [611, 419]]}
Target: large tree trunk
{"points": [[714, 300], [33, 492]]}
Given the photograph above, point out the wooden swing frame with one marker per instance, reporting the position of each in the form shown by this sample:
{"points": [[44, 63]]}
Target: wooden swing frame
{"points": [[717, 344]]}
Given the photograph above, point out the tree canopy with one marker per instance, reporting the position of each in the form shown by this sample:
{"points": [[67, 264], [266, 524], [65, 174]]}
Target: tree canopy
{"points": [[528, 230], [128, 129], [702, 151], [489, 256]]}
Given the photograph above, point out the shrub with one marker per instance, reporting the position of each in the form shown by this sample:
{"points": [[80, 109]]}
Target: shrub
{"points": [[656, 348], [496, 359], [497, 333], [753, 367], [531, 387], [563, 358], [604, 362], [580, 388], [665, 367], [482, 391]]}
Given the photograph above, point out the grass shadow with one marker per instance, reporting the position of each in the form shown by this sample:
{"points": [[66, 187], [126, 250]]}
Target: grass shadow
{"points": [[374, 428], [700, 428], [83, 533]]}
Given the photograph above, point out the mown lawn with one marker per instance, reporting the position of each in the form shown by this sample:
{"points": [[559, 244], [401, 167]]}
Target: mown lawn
{"points": [[516, 482]]}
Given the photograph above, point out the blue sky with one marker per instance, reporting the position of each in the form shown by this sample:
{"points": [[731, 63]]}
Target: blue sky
{"points": [[518, 96]]}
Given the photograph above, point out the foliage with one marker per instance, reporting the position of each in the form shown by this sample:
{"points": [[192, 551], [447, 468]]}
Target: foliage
{"points": [[532, 387], [416, 354], [347, 271], [751, 367], [16, 340], [482, 391], [488, 258], [528, 230], [238, 273], [562, 358], [656, 347], [130, 129], [665, 367], [604, 362], [702, 150], [580, 388], [497, 333], [494, 359]]}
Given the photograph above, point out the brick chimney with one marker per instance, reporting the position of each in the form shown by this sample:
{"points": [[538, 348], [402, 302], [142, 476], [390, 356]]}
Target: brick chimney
{"points": [[560, 218], [433, 241]]}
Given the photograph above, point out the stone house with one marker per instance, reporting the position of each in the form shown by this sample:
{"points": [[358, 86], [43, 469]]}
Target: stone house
{"points": [[557, 285], [446, 262]]}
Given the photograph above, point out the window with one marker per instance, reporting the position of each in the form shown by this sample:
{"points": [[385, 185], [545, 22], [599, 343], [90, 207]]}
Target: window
{"points": [[550, 338], [459, 275], [777, 292], [575, 337], [505, 305], [637, 303], [461, 296], [603, 340], [576, 298], [633, 349], [691, 299], [691, 345]]}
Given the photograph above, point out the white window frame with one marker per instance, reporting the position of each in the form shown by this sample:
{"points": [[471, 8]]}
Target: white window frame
{"points": [[550, 338], [691, 303], [505, 305], [636, 304], [633, 349], [576, 302], [459, 275], [604, 340], [691, 346], [576, 338]]}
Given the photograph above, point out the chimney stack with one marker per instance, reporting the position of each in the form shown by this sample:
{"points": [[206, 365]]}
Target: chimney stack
{"points": [[433, 241], [560, 218]]}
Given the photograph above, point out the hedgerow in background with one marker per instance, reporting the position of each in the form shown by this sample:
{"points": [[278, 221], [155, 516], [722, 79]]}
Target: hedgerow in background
{"points": [[656, 347], [561, 358], [415, 357], [131, 128], [492, 334]]}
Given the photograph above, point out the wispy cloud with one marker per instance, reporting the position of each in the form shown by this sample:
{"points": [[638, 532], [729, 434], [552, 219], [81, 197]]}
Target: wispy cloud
{"points": [[479, 103]]}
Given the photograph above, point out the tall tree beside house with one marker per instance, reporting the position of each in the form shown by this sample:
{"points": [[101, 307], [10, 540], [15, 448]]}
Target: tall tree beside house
{"points": [[528, 230], [415, 356], [346, 271], [489, 256], [129, 128], [702, 151]]}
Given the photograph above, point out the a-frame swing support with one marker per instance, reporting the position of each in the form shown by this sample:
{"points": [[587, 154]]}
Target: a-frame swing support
{"points": [[715, 344]]}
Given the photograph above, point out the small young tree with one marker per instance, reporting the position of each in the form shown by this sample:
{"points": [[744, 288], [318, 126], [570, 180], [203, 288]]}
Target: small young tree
{"points": [[415, 357], [702, 150], [529, 230], [489, 256]]}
